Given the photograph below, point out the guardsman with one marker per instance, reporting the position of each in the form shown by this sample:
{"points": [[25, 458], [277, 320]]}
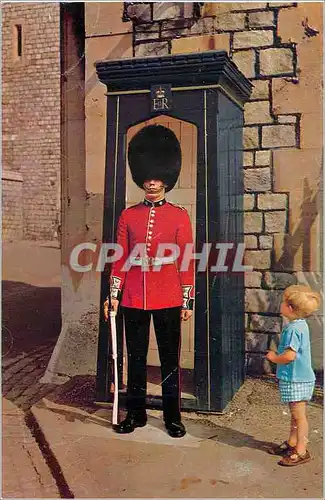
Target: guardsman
{"points": [[149, 280]]}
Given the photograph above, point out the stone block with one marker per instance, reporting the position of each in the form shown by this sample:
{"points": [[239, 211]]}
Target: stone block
{"points": [[200, 43], [257, 364], [250, 241], [281, 4], [257, 112], [250, 138], [272, 201], [278, 136], [261, 323], [153, 27], [253, 279], [275, 222], [249, 39], [248, 159], [261, 89], [276, 61], [257, 180], [260, 342], [261, 19], [172, 29], [279, 280], [287, 118], [258, 259], [249, 201], [152, 49], [230, 21], [266, 242], [262, 301], [202, 26], [262, 158], [253, 222], [172, 10], [245, 61], [255, 342], [221, 8], [146, 35]]}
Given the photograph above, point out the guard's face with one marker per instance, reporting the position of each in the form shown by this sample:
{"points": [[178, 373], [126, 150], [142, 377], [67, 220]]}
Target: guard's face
{"points": [[154, 186]]}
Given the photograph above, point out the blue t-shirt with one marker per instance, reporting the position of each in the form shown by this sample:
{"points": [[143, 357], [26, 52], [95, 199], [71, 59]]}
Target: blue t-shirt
{"points": [[295, 335]]}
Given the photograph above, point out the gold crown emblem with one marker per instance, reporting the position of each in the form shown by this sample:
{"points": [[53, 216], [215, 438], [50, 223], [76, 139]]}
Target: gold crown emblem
{"points": [[160, 93]]}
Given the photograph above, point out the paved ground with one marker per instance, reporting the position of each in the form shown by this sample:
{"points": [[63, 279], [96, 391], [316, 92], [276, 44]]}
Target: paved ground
{"points": [[30, 326], [24, 471], [56, 443], [221, 456]]}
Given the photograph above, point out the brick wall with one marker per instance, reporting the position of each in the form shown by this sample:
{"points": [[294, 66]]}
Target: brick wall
{"points": [[31, 117], [12, 210]]}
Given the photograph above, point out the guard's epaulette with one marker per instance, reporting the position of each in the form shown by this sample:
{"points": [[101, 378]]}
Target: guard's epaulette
{"points": [[176, 205]]}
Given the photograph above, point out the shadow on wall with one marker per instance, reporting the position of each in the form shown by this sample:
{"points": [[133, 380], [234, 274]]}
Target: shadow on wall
{"points": [[268, 300], [301, 237]]}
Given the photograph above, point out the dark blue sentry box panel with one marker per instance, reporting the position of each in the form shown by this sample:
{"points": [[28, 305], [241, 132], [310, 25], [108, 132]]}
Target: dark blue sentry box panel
{"points": [[207, 90]]}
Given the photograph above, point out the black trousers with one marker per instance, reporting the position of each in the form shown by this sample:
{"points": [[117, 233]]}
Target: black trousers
{"points": [[167, 325]]}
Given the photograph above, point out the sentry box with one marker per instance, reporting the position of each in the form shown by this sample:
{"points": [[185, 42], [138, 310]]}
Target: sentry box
{"points": [[200, 97]]}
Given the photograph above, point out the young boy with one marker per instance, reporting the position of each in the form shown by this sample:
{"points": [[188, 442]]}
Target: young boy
{"points": [[294, 370]]}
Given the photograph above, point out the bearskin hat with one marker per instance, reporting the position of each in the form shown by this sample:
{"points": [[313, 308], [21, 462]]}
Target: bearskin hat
{"points": [[155, 153]]}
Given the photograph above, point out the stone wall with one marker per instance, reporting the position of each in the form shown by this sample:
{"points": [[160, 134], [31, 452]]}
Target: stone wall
{"points": [[278, 46], [31, 116]]}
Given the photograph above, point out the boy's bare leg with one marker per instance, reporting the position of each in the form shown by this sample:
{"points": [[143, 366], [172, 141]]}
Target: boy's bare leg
{"points": [[298, 415], [293, 437]]}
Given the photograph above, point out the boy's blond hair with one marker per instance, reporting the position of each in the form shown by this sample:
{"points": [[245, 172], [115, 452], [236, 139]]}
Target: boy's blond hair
{"points": [[303, 300]]}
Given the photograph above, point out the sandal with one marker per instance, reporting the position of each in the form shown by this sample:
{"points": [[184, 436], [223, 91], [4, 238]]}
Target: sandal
{"points": [[295, 459], [282, 449]]}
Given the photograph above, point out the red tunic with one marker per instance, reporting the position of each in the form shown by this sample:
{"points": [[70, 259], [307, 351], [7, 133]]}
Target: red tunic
{"points": [[149, 225]]}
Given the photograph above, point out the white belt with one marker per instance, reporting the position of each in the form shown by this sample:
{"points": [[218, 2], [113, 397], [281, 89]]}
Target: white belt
{"points": [[151, 261]]}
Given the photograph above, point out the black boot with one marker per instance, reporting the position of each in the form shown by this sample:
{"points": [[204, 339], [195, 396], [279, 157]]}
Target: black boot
{"points": [[175, 429], [133, 420]]}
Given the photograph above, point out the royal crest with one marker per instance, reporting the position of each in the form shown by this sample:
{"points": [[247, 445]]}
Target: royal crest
{"points": [[161, 98]]}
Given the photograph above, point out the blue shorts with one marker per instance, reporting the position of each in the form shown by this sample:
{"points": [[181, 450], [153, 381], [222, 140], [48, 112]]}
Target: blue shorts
{"points": [[296, 391]]}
